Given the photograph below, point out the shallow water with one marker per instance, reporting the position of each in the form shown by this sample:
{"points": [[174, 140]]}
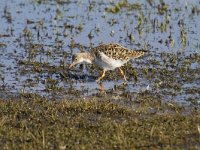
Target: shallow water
{"points": [[37, 39]]}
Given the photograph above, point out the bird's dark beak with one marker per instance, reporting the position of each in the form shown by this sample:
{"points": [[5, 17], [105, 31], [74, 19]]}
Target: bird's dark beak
{"points": [[71, 66]]}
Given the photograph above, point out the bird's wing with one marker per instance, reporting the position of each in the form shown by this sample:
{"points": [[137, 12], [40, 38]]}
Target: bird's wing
{"points": [[114, 51], [136, 54]]}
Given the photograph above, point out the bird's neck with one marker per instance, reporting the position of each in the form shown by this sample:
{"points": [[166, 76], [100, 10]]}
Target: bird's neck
{"points": [[88, 58]]}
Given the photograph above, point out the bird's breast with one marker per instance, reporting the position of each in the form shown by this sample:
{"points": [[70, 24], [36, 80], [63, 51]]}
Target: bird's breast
{"points": [[107, 63]]}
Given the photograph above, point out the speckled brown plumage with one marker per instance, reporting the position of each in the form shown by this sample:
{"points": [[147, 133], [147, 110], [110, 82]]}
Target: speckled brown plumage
{"points": [[116, 51]]}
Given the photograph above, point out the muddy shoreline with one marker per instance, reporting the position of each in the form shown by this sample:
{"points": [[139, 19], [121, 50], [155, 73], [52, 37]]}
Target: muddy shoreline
{"points": [[33, 122]]}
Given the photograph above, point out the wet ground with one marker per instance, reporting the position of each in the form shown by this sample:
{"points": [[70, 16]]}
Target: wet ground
{"points": [[38, 38], [44, 105]]}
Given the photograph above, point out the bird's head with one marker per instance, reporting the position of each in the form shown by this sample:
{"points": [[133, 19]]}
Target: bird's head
{"points": [[80, 58]]}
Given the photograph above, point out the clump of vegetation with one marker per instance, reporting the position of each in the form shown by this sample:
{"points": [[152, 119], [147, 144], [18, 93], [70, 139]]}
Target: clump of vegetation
{"points": [[116, 8], [123, 3], [31, 122]]}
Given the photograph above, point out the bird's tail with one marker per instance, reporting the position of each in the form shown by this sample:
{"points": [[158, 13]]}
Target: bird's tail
{"points": [[136, 53]]}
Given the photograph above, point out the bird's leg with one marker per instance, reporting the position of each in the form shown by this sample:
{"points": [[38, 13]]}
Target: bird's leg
{"points": [[122, 73], [101, 86], [101, 77]]}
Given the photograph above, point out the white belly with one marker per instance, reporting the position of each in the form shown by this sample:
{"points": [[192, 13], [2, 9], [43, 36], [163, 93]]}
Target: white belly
{"points": [[108, 63]]}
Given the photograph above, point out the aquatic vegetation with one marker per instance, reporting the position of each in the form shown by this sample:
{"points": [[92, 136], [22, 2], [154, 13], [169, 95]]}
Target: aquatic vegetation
{"points": [[123, 4], [33, 122]]}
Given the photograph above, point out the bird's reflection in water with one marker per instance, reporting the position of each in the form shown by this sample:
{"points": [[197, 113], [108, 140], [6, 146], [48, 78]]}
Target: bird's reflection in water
{"points": [[113, 86]]}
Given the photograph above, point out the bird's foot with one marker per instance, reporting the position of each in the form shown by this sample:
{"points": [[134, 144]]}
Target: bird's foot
{"points": [[125, 82], [97, 81]]}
